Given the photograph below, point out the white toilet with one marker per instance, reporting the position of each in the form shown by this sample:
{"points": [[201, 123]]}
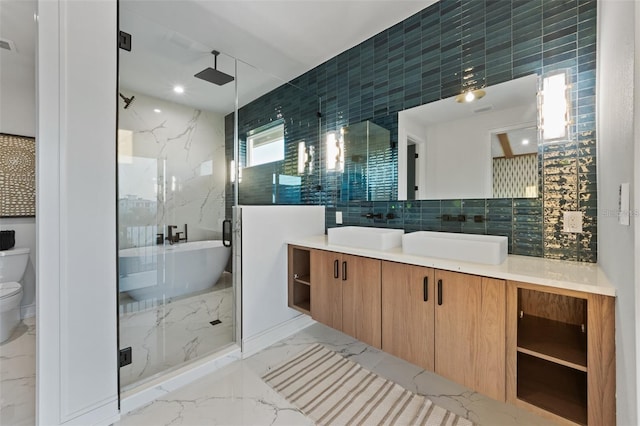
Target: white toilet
{"points": [[13, 263]]}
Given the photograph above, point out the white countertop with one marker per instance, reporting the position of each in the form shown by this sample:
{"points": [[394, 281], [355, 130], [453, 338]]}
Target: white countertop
{"points": [[579, 276]]}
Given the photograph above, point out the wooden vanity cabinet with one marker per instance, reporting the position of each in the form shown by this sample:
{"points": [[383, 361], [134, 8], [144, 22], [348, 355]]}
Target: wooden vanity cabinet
{"points": [[447, 322], [561, 353], [545, 349], [470, 331], [408, 300], [346, 294]]}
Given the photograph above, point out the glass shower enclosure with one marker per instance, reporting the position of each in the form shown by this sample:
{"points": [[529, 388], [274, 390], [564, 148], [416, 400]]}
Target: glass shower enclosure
{"points": [[176, 288]]}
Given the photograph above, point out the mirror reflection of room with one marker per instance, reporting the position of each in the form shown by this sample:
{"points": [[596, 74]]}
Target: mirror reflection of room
{"points": [[481, 149]]}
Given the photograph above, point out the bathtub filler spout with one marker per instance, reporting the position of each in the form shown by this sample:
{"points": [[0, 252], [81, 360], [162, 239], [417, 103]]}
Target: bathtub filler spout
{"points": [[170, 237], [176, 238]]}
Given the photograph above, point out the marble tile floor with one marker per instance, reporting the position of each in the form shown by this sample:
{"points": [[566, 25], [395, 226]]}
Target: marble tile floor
{"points": [[18, 376], [165, 336], [236, 395]]}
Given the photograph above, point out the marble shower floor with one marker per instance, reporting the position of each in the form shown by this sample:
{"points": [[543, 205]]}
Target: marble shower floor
{"points": [[18, 376], [236, 394], [165, 336]]}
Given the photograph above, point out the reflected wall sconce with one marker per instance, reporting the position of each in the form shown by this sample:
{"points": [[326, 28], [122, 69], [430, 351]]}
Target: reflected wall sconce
{"points": [[554, 101], [470, 96], [232, 175], [335, 152], [305, 158]]}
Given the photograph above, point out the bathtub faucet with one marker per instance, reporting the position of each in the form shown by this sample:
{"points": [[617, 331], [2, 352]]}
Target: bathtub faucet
{"points": [[170, 237], [176, 238]]}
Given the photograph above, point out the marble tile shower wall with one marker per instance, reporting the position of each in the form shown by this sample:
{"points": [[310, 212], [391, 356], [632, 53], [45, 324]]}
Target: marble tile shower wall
{"points": [[437, 53]]}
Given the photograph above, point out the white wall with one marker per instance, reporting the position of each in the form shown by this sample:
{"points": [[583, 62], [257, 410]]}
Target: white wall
{"points": [[76, 376], [265, 232], [636, 195], [615, 165], [18, 117]]}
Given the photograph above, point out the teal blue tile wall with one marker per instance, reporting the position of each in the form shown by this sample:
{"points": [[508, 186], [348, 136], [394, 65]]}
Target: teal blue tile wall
{"points": [[434, 54]]}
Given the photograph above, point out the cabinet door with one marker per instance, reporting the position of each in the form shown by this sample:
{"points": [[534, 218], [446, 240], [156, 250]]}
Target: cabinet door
{"points": [[491, 352], [361, 299], [407, 313], [457, 313], [326, 288]]}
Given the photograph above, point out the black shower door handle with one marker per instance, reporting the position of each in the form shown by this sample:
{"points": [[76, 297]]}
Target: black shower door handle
{"points": [[226, 233]]}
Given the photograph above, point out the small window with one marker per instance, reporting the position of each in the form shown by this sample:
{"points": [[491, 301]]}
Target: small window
{"points": [[265, 145]]}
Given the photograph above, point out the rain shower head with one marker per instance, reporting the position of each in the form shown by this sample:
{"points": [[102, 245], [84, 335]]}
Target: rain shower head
{"points": [[127, 101], [212, 75]]}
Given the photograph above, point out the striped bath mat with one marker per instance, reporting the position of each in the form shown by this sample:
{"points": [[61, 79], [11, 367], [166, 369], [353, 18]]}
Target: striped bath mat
{"points": [[333, 390]]}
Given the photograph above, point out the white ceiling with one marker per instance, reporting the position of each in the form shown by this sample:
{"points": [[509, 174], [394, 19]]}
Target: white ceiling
{"points": [[521, 92], [281, 39], [172, 41]]}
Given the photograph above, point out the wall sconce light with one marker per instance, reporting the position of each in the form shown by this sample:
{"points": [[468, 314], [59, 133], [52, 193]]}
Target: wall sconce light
{"points": [[470, 96], [335, 152], [555, 106]]}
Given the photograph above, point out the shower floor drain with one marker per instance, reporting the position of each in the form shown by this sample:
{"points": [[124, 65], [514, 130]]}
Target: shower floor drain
{"points": [[215, 322]]}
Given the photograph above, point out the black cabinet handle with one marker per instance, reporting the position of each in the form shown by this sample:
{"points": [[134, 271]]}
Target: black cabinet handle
{"points": [[335, 269], [344, 271], [425, 288], [439, 292]]}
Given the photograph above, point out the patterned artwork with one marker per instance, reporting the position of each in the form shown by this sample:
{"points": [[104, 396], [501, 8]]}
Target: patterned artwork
{"points": [[515, 177], [17, 176]]}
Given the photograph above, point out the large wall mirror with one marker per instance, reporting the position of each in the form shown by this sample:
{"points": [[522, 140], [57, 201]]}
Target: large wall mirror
{"points": [[487, 148]]}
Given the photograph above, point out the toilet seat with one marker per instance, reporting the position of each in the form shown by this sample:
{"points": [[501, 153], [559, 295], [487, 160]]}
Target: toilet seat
{"points": [[9, 289]]}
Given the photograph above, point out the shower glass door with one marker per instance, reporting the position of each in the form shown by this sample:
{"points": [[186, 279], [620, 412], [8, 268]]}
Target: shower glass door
{"points": [[175, 290]]}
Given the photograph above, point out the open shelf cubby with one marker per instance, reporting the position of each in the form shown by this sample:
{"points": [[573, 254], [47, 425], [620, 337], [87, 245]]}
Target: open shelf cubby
{"points": [[555, 341], [553, 387], [299, 282]]}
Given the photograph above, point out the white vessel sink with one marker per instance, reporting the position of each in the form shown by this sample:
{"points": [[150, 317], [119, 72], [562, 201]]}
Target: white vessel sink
{"points": [[365, 237], [487, 249]]}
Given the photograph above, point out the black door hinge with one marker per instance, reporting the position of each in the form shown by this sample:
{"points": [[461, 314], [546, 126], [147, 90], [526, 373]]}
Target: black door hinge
{"points": [[125, 356], [124, 41], [416, 155], [415, 188]]}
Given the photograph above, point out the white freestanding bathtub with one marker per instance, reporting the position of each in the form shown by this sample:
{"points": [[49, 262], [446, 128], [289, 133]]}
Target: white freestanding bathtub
{"points": [[167, 271]]}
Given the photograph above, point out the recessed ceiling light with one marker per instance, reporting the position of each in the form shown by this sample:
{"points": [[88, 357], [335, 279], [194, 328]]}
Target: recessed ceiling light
{"points": [[178, 89], [525, 141], [157, 111]]}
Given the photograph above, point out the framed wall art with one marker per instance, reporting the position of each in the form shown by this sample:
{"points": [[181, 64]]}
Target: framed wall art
{"points": [[17, 176]]}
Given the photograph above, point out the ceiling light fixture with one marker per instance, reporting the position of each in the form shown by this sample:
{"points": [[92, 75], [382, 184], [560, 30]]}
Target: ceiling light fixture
{"points": [[157, 111], [470, 96], [178, 89], [525, 141]]}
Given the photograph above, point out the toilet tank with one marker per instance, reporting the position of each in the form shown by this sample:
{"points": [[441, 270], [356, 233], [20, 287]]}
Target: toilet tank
{"points": [[13, 263]]}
